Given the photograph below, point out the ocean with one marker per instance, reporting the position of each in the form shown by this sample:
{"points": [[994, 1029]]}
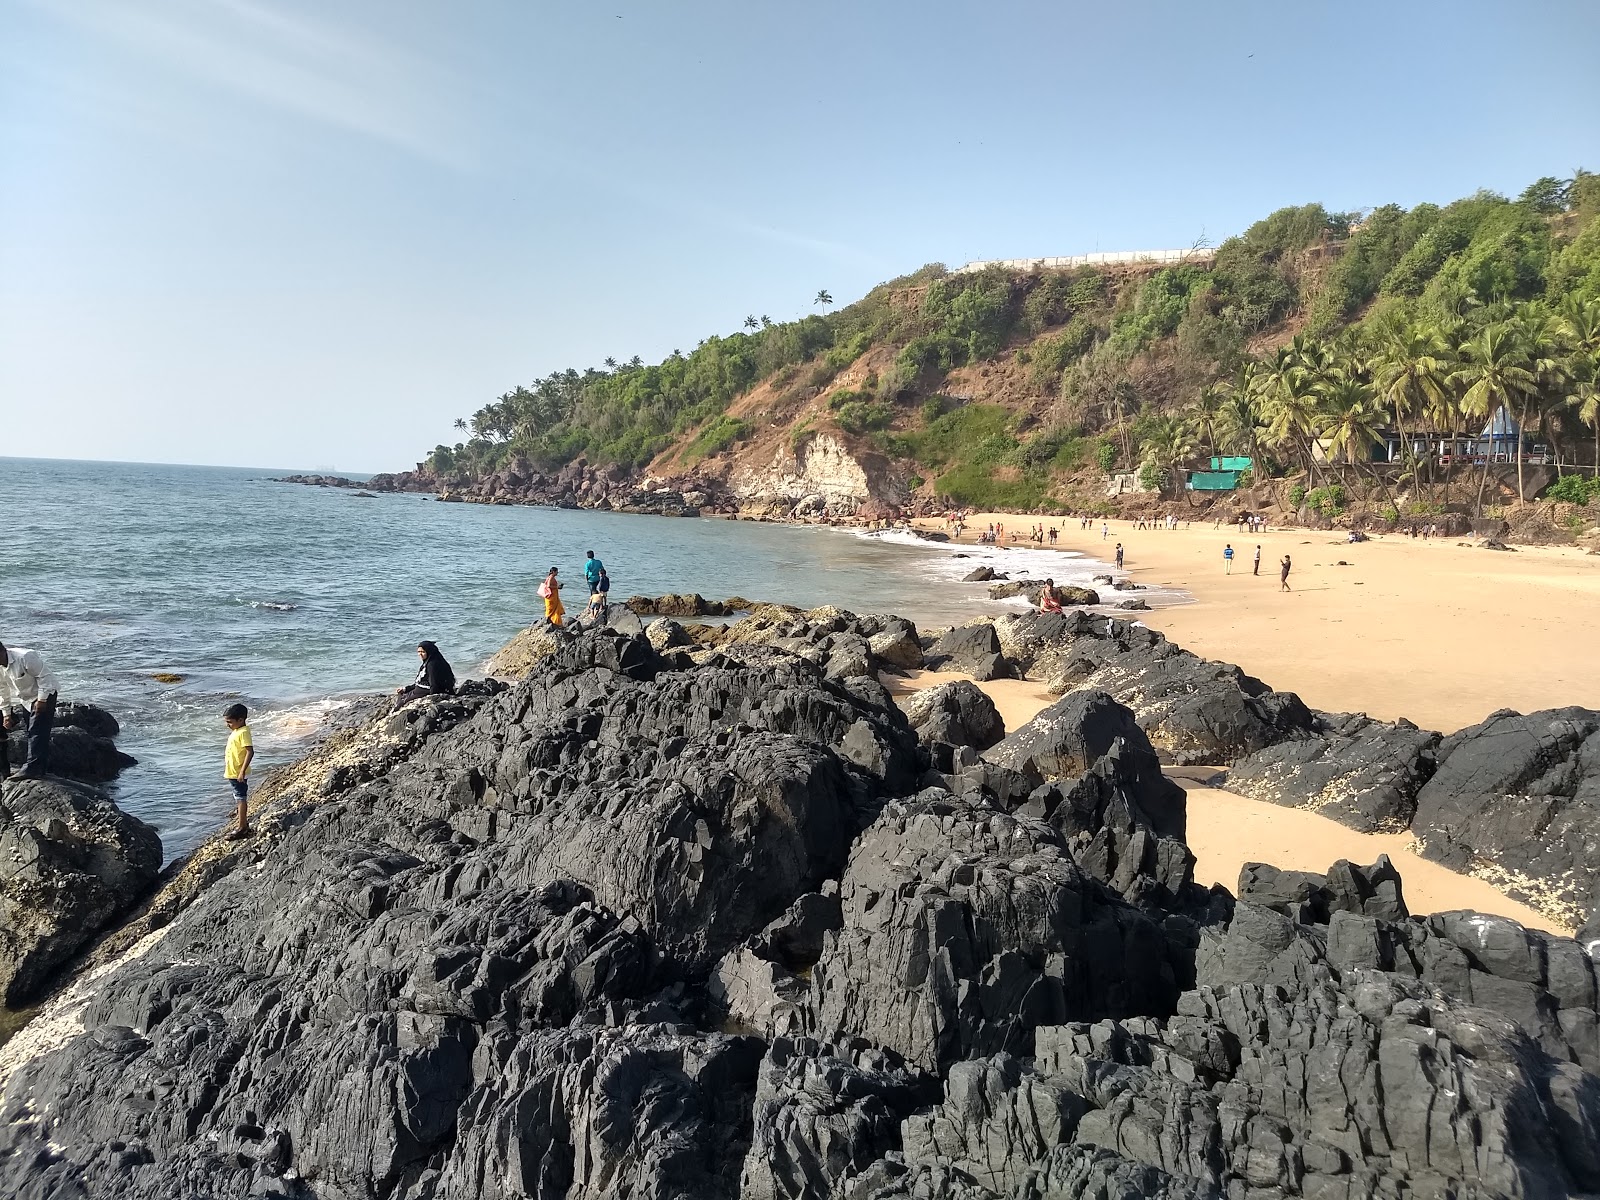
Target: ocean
{"points": [[295, 599]]}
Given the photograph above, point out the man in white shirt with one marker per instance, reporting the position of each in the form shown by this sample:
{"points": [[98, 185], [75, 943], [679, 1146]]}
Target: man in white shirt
{"points": [[28, 691]]}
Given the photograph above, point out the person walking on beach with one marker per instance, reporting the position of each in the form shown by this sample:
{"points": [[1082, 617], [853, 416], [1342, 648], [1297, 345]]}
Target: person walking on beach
{"points": [[1256, 570], [1227, 559], [241, 752], [28, 692], [434, 676], [1283, 574], [1119, 556], [550, 590], [1104, 530]]}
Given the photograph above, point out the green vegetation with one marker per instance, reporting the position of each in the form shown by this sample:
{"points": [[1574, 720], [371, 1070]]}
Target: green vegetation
{"points": [[859, 412], [1329, 501], [1575, 489], [1429, 320], [717, 434]]}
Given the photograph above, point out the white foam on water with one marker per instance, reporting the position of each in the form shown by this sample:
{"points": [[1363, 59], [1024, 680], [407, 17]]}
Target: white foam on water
{"points": [[299, 722], [950, 561]]}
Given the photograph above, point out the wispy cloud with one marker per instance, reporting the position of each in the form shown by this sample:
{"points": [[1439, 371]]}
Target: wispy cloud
{"points": [[354, 81]]}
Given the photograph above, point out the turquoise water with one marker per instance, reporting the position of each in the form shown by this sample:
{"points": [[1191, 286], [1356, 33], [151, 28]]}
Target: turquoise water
{"points": [[292, 599]]}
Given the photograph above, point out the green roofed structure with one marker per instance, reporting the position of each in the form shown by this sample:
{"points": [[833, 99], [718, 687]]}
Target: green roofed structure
{"points": [[1223, 475]]}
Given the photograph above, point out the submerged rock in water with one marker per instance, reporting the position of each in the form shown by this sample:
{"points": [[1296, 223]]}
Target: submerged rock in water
{"points": [[669, 922]]}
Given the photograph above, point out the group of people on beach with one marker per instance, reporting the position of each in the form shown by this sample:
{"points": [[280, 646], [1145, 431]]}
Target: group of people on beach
{"points": [[1284, 565], [594, 574]]}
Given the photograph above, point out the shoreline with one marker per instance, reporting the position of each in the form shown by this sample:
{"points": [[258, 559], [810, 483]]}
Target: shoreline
{"points": [[1438, 633]]}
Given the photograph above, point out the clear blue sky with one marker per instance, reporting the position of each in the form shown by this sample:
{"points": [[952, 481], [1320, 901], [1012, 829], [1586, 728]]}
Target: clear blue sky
{"points": [[304, 234]]}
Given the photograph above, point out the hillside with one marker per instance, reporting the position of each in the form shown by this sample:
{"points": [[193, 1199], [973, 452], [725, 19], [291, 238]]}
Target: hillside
{"points": [[1311, 342]]}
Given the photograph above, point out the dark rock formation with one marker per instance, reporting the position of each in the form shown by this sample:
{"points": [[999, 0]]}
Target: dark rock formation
{"points": [[82, 747], [70, 862], [1194, 710], [973, 649], [952, 715], [1523, 793], [667, 921], [964, 930], [1362, 773]]}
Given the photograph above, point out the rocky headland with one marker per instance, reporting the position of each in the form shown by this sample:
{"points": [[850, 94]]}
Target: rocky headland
{"points": [[701, 910]]}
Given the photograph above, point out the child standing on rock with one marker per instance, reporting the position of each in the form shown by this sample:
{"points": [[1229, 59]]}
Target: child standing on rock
{"points": [[236, 765]]}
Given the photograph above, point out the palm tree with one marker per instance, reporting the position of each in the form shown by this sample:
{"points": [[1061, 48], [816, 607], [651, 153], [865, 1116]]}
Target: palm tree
{"points": [[1543, 339], [824, 299], [750, 322], [1287, 391], [1356, 419], [1203, 412], [611, 363], [1170, 444], [1238, 419], [461, 423], [1411, 373], [1582, 324], [1496, 373]]}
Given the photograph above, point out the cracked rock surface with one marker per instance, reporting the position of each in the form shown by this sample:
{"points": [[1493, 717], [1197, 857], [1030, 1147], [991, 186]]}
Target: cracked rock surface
{"points": [[663, 920]]}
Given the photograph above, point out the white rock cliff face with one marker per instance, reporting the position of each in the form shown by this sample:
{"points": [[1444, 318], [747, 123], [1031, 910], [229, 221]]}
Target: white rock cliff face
{"points": [[819, 476]]}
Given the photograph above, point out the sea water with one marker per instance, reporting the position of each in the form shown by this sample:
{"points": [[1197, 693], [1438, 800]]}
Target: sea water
{"points": [[292, 599]]}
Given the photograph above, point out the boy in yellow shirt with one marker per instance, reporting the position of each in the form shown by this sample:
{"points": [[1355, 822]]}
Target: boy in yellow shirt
{"points": [[236, 769]]}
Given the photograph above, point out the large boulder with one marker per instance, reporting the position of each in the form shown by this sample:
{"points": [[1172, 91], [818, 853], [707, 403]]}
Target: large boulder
{"points": [[70, 862], [1193, 710], [525, 652], [1090, 772], [1521, 793], [957, 713], [964, 930], [1360, 772], [974, 649]]}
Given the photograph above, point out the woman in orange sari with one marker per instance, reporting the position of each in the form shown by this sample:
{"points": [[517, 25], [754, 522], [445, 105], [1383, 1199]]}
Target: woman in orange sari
{"points": [[550, 589]]}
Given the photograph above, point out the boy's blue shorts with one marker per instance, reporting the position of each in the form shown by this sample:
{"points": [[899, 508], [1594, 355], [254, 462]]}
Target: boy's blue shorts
{"points": [[241, 789]]}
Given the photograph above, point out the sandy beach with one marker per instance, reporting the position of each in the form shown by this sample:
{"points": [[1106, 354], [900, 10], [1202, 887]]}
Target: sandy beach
{"points": [[1440, 633], [1226, 831]]}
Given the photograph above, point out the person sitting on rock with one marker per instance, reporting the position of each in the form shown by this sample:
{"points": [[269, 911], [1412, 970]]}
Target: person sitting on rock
{"points": [[434, 676], [1049, 598], [28, 692]]}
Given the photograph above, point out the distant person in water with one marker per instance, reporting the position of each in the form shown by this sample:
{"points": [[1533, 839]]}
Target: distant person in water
{"points": [[1119, 556], [434, 676], [550, 590], [241, 752], [1049, 598], [1283, 574], [28, 692]]}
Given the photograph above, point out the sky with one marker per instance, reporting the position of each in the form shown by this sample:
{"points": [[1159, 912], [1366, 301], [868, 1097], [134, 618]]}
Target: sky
{"points": [[310, 235]]}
